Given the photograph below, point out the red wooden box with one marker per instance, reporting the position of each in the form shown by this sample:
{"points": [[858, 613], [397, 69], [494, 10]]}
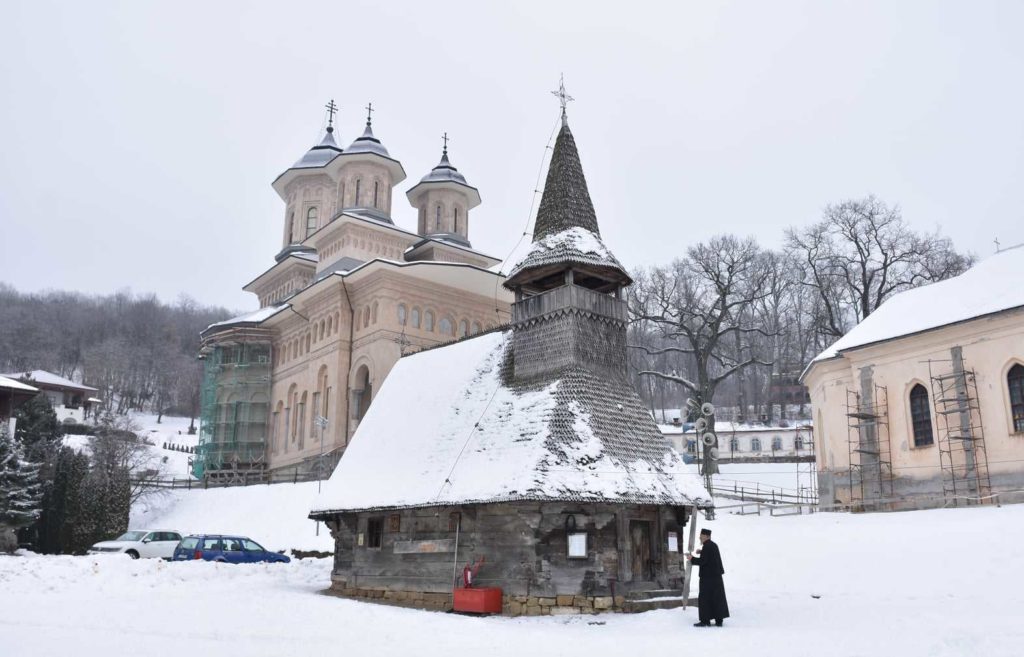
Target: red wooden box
{"points": [[485, 600]]}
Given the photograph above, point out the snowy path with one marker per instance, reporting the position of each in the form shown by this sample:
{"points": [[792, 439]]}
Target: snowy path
{"points": [[889, 584]]}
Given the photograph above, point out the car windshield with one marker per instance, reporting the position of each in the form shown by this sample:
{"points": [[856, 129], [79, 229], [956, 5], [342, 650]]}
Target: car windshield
{"points": [[189, 543], [130, 536]]}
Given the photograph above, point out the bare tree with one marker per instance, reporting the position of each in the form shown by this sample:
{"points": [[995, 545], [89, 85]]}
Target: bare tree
{"points": [[860, 254], [700, 308]]}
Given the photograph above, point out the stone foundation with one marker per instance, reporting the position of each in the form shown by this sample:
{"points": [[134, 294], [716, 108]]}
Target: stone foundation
{"points": [[512, 605]]}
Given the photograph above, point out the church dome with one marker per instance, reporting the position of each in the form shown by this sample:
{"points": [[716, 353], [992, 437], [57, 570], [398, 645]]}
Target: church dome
{"points": [[444, 172], [367, 143], [320, 154], [444, 175]]}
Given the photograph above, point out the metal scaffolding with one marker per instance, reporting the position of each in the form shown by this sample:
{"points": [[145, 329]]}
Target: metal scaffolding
{"points": [[871, 477], [961, 436], [235, 407]]}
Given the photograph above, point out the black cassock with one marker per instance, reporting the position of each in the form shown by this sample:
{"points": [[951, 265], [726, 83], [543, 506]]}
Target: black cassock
{"points": [[711, 602]]}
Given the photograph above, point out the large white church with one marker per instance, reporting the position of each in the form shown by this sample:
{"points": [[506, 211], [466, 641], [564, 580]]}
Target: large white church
{"points": [[349, 292]]}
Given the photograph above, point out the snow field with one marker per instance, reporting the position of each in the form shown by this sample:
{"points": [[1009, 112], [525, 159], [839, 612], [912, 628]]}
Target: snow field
{"points": [[273, 515], [936, 583]]}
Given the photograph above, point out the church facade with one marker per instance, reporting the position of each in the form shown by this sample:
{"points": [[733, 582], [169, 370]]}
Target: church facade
{"points": [[531, 463], [349, 292]]}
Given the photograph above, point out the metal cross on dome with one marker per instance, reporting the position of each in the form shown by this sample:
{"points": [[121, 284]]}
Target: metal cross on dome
{"points": [[444, 138], [331, 110], [369, 113], [563, 97]]}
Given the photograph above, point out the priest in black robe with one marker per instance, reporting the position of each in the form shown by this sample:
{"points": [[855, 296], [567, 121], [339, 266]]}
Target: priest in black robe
{"points": [[711, 602]]}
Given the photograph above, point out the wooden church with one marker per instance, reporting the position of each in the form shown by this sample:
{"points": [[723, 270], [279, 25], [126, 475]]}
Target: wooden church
{"points": [[524, 451]]}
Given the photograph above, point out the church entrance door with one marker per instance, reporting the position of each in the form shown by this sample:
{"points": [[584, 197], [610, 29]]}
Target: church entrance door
{"points": [[640, 549]]}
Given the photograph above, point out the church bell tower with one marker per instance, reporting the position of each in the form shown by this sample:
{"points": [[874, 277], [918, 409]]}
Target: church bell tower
{"points": [[569, 312]]}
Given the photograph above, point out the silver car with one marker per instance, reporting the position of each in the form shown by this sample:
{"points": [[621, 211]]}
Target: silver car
{"points": [[141, 543]]}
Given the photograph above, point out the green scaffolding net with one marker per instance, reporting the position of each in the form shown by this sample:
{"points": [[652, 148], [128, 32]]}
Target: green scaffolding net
{"points": [[235, 404]]}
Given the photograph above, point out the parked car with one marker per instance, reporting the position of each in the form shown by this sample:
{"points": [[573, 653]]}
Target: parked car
{"points": [[227, 549], [136, 543]]}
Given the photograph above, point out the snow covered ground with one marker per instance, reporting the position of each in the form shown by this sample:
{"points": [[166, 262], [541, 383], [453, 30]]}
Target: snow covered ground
{"points": [[170, 430], [273, 515], [936, 583]]}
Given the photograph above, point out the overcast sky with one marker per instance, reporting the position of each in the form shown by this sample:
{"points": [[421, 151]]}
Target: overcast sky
{"points": [[138, 141]]}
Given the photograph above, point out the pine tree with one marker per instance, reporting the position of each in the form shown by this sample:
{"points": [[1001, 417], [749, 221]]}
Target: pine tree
{"points": [[38, 429], [20, 490], [63, 505]]}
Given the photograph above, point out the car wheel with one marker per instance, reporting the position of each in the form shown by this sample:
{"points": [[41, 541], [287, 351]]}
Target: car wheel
{"points": [[133, 554]]}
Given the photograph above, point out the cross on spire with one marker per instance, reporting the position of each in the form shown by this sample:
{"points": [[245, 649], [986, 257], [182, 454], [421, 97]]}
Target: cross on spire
{"points": [[563, 97], [369, 113], [997, 243], [444, 138], [331, 110]]}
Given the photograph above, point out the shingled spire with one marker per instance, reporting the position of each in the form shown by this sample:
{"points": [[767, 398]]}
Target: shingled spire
{"points": [[566, 236], [566, 200]]}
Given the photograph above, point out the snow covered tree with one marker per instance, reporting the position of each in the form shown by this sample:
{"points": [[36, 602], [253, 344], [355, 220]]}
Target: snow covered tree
{"points": [[20, 491]]}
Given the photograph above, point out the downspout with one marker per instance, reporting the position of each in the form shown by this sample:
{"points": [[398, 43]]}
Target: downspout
{"points": [[348, 375]]}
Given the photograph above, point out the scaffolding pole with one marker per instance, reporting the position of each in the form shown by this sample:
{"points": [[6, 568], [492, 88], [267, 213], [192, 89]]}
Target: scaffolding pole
{"points": [[871, 479], [961, 436]]}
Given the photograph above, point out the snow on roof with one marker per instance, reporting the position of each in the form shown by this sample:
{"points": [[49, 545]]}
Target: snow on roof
{"points": [[254, 317], [991, 286], [44, 378], [574, 244], [446, 428], [12, 384]]}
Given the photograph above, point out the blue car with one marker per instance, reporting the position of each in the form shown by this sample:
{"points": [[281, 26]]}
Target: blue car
{"points": [[226, 549]]}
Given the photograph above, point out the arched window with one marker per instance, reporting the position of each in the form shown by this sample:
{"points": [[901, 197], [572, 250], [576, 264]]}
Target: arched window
{"points": [[366, 317], [359, 184], [755, 444], [291, 227], [375, 194], [476, 328], [456, 220], [437, 218], [401, 314], [330, 324], [311, 215], [776, 443], [446, 327], [921, 416], [463, 328], [374, 314], [428, 321], [307, 343], [798, 443], [1015, 382], [415, 317], [734, 445]]}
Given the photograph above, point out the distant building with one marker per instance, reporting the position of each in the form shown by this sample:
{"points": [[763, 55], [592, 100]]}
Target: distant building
{"points": [[349, 292], [527, 447], [72, 402], [12, 394], [922, 403], [747, 442]]}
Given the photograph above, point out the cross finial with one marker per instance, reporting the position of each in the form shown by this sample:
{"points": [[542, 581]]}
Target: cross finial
{"points": [[996, 240], [331, 110], [444, 138], [369, 113], [563, 97]]}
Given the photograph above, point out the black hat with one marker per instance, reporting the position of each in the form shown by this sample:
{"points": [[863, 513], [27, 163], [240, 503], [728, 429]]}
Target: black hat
{"points": [[705, 532]]}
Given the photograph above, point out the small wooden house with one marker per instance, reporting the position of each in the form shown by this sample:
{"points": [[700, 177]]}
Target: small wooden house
{"points": [[524, 449]]}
